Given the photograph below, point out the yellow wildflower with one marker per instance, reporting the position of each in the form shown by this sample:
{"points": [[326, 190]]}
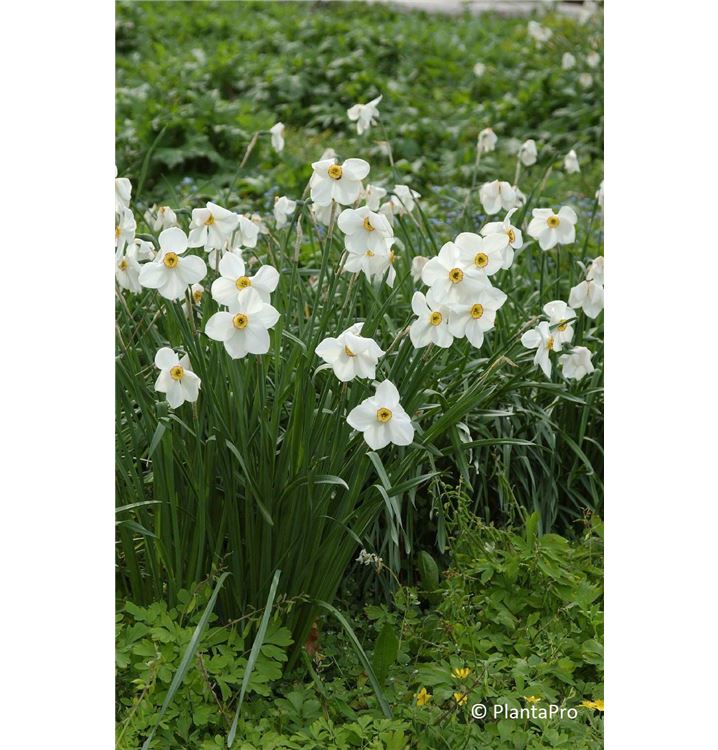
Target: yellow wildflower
{"points": [[532, 698], [460, 698], [461, 673], [598, 704], [423, 697]]}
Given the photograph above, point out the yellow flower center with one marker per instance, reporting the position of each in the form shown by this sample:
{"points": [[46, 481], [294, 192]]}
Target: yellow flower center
{"points": [[435, 318], [563, 326], [383, 414], [553, 221], [177, 372], [370, 253], [197, 296], [335, 172], [170, 260], [243, 282], [456, 275], [481, 260], [240, 320], [549, 342], [122, 265], [477, 311], [392, 256], [511, 235], [367, 224], [209, 220], [349, 352], [117, 233]]}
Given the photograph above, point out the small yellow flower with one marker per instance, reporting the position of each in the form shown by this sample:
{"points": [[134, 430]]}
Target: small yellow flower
{"points": [[461, 673], [460, 698], [423, 697], [587, 704], [598, 704], [532, 698]]}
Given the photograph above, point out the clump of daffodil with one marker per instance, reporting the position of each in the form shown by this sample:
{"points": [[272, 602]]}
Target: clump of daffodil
{"points": [[423, 697]]}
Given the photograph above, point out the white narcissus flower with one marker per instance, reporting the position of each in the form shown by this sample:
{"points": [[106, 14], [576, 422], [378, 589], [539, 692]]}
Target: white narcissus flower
{"points": [[323, 214], [570, 162], [588, 295], [403, 199], [560, 316], [197, 292], [474, 253], [593, 59], [503, 236], [171, 273], [247, 232], [373, 196], [350, 354], [283, 209], [520, 197], [142, 250], [379, 264], [585, 79], [277, 132], [538, 32], [431, 325], [233, 280], [125, 226], [528, 153], [258, 222], [369, 261], [364, 114], [211, 227], [245, 329], [474, 319], [338, 182], [541, 339], [487, 141], [599, 194], [127, 271], [479, 69], [451, 276], [382, 419], [495, 196], [568, 61], [176, 379], [365, 231], [577, 364], [552, 229], [387, 209], [595, 271], [123, 193], [160, 217], [417, 266]]}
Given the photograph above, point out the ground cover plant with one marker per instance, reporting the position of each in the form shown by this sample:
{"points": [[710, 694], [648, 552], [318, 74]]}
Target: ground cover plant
{"points": [[359, 307]]}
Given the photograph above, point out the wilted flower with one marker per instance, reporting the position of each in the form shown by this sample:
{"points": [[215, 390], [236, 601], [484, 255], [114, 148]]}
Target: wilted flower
{"points": [[160, 217], [364, 114], [176, 379], [570, 162], [588, 295], [277, 131], [365, 230], [431, 325], [479, 69], [541, 339], [141, 250], [585, 79], [123, 193], [474, 253], [568, 61], [595, 271], [417, 266], [560, 316], [538, 32], [125, 226], [403, 199], [338, 182], [373, 196], [369, 558], [350, 354], [245, 329], [496, 195], [211, 227], [576, 364], [475, 318], [127, 271], [283, 208], [487, 141], [452, 276], [551, 229], [233, 280], [171, 273], [382, 419], [528, 152], [593, 59], [503, 236]]}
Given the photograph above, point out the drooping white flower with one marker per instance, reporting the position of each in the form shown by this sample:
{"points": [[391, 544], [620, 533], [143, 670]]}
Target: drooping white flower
{"points": [[570, 162], [160, 217], [197, 292], [538, 32], [247, 232], [382, 419], [365, 230], [473, 319], [233, 280], [258, 222], [551, 229], [577, 364], [417, 266], [560, 318], [176, 379], [171, 273], [245, 329], [211, 227], [125, 226], [403, 199], [599, 194], [277, 131], [568, 61], [373, 195], [127, 271], [123, 193], [503, 236], [495, 196], [593, 59], [541, 339], [141, 250], [479, 69], [475, 254], [487, 141], [432, 323], [283, 208], [350, 354], [595, 270], [364, 114], [338, 182], [528, 153], [585, 80], [451, 276], [588, 295]]}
